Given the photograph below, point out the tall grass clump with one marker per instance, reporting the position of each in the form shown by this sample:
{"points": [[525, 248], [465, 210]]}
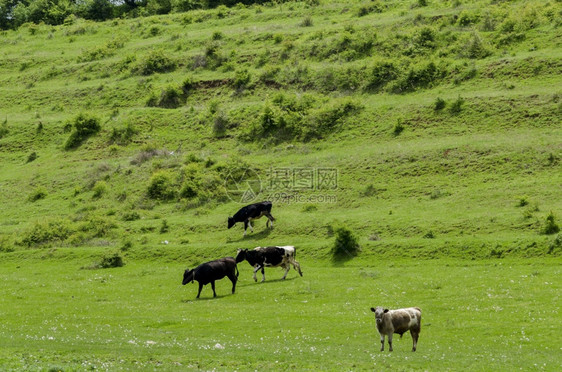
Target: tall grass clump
{"points": [[83, 126], [37, 194], [4, 128], [550, 225]]}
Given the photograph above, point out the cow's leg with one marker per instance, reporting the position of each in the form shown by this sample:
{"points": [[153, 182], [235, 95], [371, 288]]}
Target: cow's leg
{"points": [[382, 342], [286, 267], [213, 286], [415, 336], [245, 227], [296, 266], [390, 342], [256, 268], [200, 288], [270, 219], [263, 274], [233, 279], [250, 224]]}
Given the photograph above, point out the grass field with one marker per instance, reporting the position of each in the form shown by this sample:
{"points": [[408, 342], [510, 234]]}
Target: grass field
{"points": [[484, 315], [431, 131]]}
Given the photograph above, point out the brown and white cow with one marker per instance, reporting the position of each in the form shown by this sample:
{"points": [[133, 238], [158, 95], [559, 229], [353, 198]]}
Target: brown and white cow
{"points": [[398, 321]]}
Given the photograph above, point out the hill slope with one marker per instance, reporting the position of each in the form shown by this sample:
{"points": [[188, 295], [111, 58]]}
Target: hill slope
{"points": [[429, 131]]}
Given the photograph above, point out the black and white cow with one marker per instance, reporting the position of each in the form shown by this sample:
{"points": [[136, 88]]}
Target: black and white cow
{"points": [[210, 271], [261, 257], [252, 212]]}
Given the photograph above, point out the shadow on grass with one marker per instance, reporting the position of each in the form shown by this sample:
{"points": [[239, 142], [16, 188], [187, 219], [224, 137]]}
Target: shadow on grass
{"points": [[339, 260], [255, 236], [267, 281], [205, 298]]}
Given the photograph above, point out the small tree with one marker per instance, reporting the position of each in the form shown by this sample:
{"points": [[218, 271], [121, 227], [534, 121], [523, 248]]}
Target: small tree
{"points": [[346, 244]]}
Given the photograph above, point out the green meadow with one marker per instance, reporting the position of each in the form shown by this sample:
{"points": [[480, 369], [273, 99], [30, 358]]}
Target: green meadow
{"points": [[412, 151]]}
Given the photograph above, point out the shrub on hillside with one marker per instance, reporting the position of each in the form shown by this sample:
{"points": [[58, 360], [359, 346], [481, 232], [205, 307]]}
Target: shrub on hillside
{"points": [[220, 124], [345, 245], [550, 225], [170, 97], [55, 230], [123, 135], [474, 48], [83, 126], [379, 74], [155, 61], [161, 186], [418, 76], [6, 244], [456, 106], [99, 189], [398, 128], [37, 194], [241, 79], [97, 226], [108, 261], [323, 121], [439, 104]]}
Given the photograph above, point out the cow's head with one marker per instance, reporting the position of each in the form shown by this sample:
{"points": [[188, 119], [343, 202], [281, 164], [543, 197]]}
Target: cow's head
{"points": [[241, 256], [187, 276], [379, 312], [231, 222]]}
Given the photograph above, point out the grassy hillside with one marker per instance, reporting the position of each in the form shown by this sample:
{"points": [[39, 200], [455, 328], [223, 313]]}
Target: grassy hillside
{"points": [[429, 129], [441, 121]]}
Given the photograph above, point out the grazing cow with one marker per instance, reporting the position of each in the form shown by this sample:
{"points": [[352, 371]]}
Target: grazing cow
{"points": [[252, 212], [398, 321], [261, 257], [210, 271]]}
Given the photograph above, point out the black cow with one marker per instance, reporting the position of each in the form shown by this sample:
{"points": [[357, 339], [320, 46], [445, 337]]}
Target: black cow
{"points": [[261, 257], [210, 271], [252, 212]]}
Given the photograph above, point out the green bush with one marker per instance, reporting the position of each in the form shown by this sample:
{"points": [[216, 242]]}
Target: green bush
{"points": [[6, 244], [241, 79], [131, 216], [475, 48], [220, 124], [418, 76], [379, 74], [189, 190], [170, 97], [439, 104], [550, 225], [155, 61], [398, 128], [111, 261], [124, 135], [456, 106], [346, 244], [37, 194], [161, 186], [55, 230], [99, 189], [84, 125], [97, 226]]}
